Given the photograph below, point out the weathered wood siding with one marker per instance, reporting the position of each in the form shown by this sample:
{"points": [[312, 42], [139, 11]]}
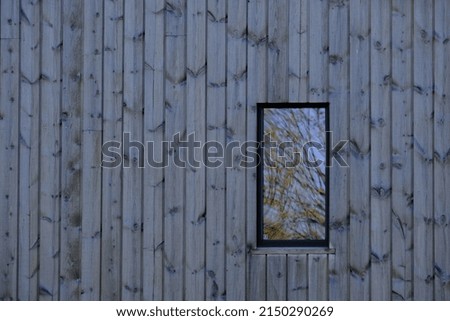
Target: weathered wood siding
{"points": [[76, 74]]}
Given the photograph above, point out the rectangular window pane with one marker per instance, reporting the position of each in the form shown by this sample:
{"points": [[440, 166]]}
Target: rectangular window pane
{"points": [[293, 174]]}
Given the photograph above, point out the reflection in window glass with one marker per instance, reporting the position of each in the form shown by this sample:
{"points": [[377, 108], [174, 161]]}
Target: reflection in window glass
{"points": [[294, 174]]}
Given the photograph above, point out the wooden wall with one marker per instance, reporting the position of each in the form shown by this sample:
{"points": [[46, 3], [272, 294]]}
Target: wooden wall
{"points": [[76, 74]]}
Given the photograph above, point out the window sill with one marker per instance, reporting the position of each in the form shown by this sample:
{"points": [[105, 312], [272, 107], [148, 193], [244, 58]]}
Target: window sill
{"points": [[292, 250]]}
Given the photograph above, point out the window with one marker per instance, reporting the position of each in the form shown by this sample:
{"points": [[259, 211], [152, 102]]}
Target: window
{"points": [[293, 174]]}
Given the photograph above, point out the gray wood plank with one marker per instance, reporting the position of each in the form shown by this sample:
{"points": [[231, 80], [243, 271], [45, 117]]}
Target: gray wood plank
{"points": [[339, 125], [195, 218], [317, 277], [277, 55], [402, 175], [441, 150], [216, 78], [297, 277], [71, 166], [256, 92], [236, 132], [9, 158], [257, 280], [92, 127], [380, 162], [304, 51], [9, 19], [318, 51], [359, 160], [294, 49], [276, 277], [153, 185], [29, 152], [112, 131], [423, 150], [175, 122], [133, 157], [50, 157]]}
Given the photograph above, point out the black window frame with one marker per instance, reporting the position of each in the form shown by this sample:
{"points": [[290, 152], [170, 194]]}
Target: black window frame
{"points": [[261, 242]]}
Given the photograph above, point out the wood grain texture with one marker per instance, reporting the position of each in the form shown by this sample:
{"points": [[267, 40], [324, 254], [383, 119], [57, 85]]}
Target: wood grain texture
{"points": [[195, 219], [339, 125], [175, 122], [402, 175], [277, 55], [276, 277], [304, 51], [294, 35], [216, 79], [153, 185], [92, 127], [71, 163], [112, 131], [75, 75], [317, 277], [318, 51], [9, 19], [50, 154], [235, 133], [359, 159], [28, 255], [257, 47], [297, 277], [441, 82], [256, 92], [423, 150], [9, 146], [133, 157], [380, 162], [257, 278]]}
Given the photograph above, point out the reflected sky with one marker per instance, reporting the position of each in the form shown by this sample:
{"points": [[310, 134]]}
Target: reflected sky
{"points": [[294, 198]]}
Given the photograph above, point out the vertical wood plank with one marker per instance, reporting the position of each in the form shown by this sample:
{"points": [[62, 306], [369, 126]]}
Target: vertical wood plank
{"points": [[359, 206], [9, 19], [317, 277], [112, 131], [297, 277], [236, 132], [29, 152], [257, 280], [304, 51], [256, 92], [423, 150], [91, 145], [441, 150], [278, 50], [294, 49], [50, 157], [71, 166], [216, 123], [153, 188], [339, 173], [133, 157], [9, 146], [380, 163], [402, 175], [276, 277], [195, 173], [175, 122], [318, 50]]}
